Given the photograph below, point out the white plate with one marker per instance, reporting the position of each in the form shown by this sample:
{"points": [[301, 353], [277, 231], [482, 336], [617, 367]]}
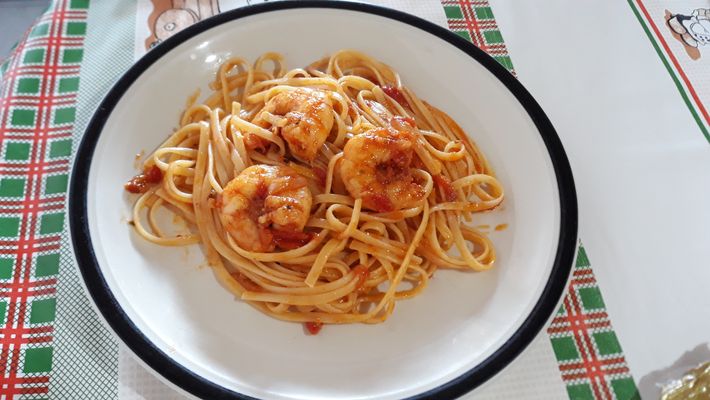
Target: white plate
{"points": [[462, 330]]}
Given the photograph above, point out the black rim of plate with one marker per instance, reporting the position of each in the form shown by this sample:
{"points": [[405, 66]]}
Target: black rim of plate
{"points": [[171, 370]]}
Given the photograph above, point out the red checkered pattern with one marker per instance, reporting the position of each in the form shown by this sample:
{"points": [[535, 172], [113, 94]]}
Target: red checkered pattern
{"points": [[591, 362], [476, 18], [20, 376], [36, 122], [589, 356]]}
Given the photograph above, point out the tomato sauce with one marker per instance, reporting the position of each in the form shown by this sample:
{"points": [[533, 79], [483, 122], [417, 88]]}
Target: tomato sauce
{"points": [[445, 185], [289, 240], [396, 95], [141, 183], [321, 174], [313, 327], [380, 202], [254, 142]]}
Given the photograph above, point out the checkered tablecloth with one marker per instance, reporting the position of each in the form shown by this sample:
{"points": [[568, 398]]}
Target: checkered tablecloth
{"points": [[51, 342]]}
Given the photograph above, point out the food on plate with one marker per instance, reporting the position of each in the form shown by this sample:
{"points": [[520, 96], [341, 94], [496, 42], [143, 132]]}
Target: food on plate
{"points": [[323, 194]]}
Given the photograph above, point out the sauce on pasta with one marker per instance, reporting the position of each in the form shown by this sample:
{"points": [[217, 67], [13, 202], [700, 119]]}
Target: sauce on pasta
{"points": [[320, 195]]}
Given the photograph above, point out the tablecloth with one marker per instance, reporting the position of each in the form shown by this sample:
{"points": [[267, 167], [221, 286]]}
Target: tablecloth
{"points": [[53, 345]]}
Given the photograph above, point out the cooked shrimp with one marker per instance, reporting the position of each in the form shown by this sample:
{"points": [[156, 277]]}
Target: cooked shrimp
{"points": [[308, 115], [376, 168], [266, 206]]}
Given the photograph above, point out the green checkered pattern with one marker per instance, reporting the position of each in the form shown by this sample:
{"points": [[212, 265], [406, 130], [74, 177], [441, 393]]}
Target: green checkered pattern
{"points": [[38, 96], [38, 89], [474, 21], [586, 347], [588, 352]]}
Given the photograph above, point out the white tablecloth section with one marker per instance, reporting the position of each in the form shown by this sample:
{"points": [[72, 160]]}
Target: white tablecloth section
{"points": [[642, 170], [641, 166]]}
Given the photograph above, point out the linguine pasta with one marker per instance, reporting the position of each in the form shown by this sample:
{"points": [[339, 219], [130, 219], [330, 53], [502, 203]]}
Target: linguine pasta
{"points": [[322, 194]]}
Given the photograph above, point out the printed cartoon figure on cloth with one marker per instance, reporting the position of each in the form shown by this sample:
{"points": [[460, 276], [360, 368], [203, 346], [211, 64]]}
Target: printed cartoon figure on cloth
{"points": [[691, 30], [171, 16], [160, 19]]}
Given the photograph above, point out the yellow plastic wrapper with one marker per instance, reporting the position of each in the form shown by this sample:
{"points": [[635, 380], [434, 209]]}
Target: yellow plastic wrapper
{"points": [[694, 385]]}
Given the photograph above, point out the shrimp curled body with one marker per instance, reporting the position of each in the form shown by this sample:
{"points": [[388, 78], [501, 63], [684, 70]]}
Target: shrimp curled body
{"points": [[264, 203], [305, 118], [376, 168]]}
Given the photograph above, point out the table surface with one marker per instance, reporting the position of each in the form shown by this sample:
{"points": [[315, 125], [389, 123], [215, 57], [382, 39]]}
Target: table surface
{"points": [[641, 166], [15, 17], [608, 80]]}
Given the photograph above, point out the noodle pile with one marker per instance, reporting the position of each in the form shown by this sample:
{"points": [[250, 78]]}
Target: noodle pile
{"points": [[357, 263]]}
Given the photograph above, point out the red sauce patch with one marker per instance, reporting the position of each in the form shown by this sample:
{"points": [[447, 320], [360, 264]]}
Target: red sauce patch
{"points": [[321, 174], [262, 190], [266, 238], [254, 142], [256, 208], [218, 201], [399, 122], [313, 327], [141, 182], [153, 174], [289, 240], [379, 202], [445, 185], [395, 169], [136, 185], [396, 95]]}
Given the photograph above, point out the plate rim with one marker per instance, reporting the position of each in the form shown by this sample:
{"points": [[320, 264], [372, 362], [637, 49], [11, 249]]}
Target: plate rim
{"points": [[121, 325]]}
